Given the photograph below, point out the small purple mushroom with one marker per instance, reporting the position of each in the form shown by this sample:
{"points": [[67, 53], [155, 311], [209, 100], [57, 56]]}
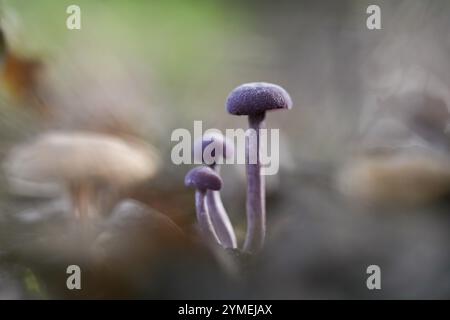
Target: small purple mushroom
{"points": [[253, 100], [203, 179], [220, 148]]}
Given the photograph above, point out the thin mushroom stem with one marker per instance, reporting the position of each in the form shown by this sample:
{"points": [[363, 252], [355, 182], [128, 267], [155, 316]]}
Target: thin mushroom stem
{"points": [[203, 217], [256, 204], [80, 202], [219, 218], [84, 200]]}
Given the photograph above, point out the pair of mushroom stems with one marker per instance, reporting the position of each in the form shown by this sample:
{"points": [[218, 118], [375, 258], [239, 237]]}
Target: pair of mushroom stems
{"points": [[256, 204], [213, 219], [203, 216], [211, 214], [219, 217]]}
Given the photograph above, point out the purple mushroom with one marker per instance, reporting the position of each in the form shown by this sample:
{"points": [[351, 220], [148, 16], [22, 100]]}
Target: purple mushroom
{"points": [[219, 148], [253, 100], [203, 179]]}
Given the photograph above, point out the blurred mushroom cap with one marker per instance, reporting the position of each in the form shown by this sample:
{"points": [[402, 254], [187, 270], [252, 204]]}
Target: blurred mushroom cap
{"points": [[219, 145], [66, 157], [402, 178]]}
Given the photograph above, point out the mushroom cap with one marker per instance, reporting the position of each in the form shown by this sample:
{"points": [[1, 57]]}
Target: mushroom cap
{"points": [[219, 144], [71, 157], [257, 97], [203, 178], [410, 177]]}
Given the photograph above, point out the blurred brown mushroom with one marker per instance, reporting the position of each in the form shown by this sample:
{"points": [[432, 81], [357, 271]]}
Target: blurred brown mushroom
{"points": [[85, 164], [403, 178]]}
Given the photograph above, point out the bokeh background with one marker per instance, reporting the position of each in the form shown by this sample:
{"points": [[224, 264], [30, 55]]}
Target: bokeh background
{"points": [[365, 158]]}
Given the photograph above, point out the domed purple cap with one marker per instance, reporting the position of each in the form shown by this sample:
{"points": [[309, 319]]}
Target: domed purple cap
{"points": [[218, 143], [203, 178], [256, 98]]}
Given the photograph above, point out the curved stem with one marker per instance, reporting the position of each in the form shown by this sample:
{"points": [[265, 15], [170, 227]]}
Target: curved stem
{"points": [[80, 200], [256, 204], [203, 218], [220, 220], [84, 210]]}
